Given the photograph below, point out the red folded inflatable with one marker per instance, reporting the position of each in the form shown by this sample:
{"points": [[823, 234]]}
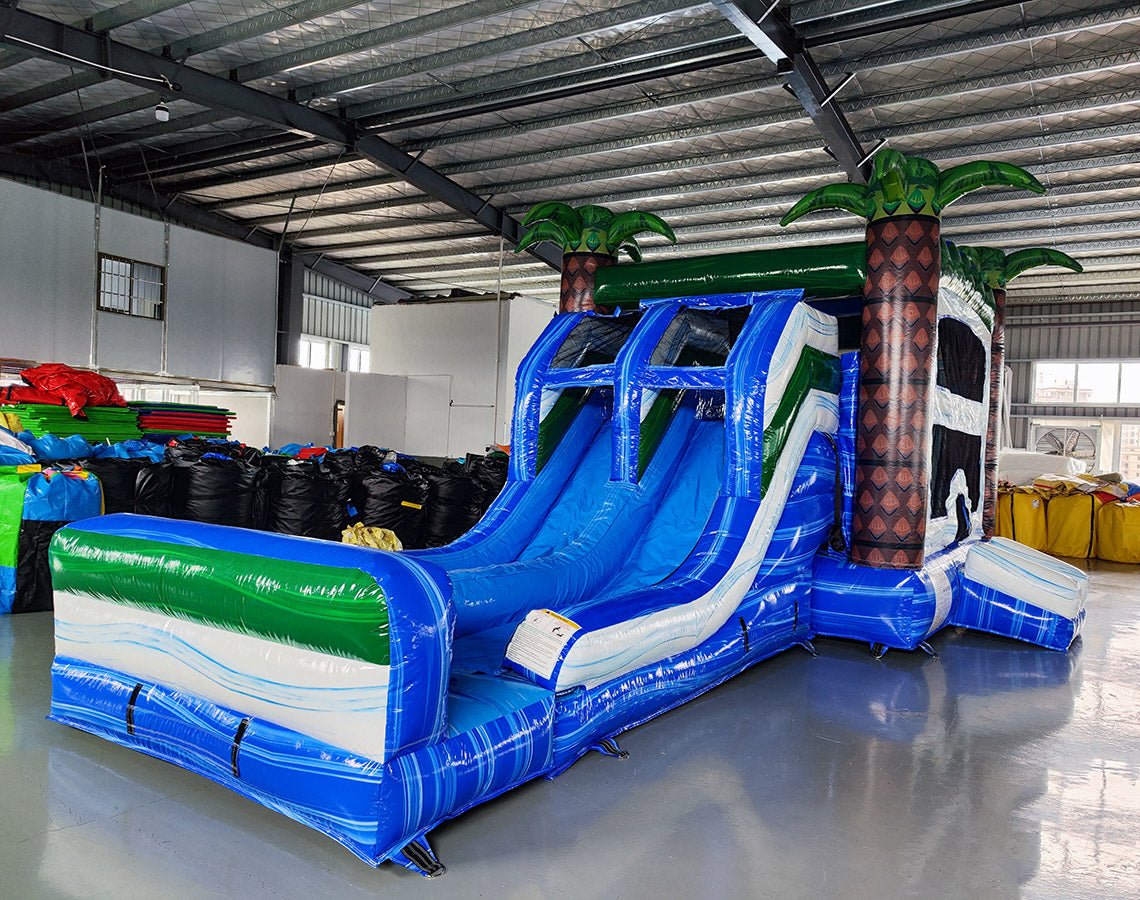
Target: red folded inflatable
{"points": [[19, 393], [75, 387]]}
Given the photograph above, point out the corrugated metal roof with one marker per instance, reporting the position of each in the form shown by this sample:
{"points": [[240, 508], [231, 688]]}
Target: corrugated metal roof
{"points": [[654, 104]]}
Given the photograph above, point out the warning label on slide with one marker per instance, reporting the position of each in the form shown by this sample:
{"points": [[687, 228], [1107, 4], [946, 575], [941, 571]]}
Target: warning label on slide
{"points": [[539, 641]]}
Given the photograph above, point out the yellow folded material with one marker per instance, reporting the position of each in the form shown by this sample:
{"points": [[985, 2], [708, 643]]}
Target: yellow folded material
{"points": [[1072, 525], [1021, 517], [1118, 532], [363, 535]]}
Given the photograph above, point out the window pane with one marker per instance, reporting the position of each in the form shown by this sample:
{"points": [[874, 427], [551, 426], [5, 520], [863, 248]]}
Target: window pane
{"points": [[1130, 383], [318, 352], [365, 361], [1130, 451], [1054, 382], [1097, 382]]}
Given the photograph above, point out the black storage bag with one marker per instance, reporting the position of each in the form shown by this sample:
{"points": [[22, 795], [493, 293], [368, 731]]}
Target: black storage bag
{"points": [[33, 570], [118, 478], [391, 497], [452, 504], [336, 470], [295, 496], [221, 491], [160, 490], [490, 472]]}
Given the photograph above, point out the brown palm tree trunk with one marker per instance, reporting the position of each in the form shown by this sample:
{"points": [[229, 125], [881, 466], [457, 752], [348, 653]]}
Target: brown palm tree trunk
{"points": [[997, 376], [896, 371], [578, 270]]}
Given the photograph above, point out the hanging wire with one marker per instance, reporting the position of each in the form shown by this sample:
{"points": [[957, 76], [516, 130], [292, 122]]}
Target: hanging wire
{"points": [[160, 79]]}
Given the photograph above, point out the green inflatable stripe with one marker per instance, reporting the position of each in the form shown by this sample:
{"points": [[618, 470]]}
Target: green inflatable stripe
{"points": [[551, 429], [13, 484], [833, 270], [653, 426], [334, 610], [815, 370]]}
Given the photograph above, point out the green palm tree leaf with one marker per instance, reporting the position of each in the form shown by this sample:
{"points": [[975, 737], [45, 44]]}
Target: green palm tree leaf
{"points": [[630, 246], [564, 216], [596, 217], [958, 181], [634, 222], [546, 230], [851, 197], [1023, 260]]}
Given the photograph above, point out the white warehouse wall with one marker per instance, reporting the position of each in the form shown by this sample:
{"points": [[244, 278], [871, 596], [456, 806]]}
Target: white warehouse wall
{"points": [[221, 297], [460, 360]]}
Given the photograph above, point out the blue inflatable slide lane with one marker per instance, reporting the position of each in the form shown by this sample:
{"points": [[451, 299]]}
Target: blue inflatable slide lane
{"points": [[672, 476]]}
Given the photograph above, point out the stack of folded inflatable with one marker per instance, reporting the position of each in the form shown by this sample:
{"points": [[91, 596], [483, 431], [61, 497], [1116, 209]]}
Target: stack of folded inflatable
{"points": [[35, 502], [96, 424], [57, 399], [1079, 516], [169, 420]]}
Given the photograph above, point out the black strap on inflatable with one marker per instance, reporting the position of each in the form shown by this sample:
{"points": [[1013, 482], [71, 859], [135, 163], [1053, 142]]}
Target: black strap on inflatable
{"points": [[1012, 520], [835, 538], [744, 631], [1092, 523], [424, 860], [241, 729], [131, 708]]}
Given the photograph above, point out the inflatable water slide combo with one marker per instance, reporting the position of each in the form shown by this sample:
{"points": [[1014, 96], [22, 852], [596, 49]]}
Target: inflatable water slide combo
{"points": [[686, 438]]}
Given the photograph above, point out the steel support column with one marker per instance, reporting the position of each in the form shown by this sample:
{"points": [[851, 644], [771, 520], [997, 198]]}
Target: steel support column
{"points": [[765, 26]]}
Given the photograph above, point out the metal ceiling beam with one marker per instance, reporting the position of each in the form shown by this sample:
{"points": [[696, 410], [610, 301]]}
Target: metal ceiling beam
{"points": [[527, 39], [648, 57], [953, 153], [578, 64], [1052, 27], [765, 26], [728, 90], [394, 111], [104, 21], [692, 191], [375, 287], [140, 162], [405, 30], [416, 26], [209, 90], [839, 28], [783, 147], [196, 44], [765, 208]]}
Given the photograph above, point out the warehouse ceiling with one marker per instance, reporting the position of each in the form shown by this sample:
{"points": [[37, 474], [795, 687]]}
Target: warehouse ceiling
{"points": [[493, 105]]}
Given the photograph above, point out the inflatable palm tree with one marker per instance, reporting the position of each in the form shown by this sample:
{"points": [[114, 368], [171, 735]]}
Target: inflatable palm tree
{"points": [[591, 238], [902, 203], [999, 269]]}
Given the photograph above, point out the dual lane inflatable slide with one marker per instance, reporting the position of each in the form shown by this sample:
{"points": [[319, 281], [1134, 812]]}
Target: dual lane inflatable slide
{"points": [[698, 481]]}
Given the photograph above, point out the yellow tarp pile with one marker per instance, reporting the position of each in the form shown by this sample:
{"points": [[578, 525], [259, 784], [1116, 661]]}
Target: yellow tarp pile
{"points": [[1078, 516], [365, 536]]}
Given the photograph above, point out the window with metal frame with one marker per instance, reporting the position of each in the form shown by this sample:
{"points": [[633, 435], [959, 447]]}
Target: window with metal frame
{"points": [[131, 287], [1093, 382]]}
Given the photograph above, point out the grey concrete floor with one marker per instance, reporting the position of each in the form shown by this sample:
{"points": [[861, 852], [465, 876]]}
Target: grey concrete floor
{"points": [[994, 771]]}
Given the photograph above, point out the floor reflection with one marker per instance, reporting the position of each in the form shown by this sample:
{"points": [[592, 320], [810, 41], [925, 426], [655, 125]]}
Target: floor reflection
{"points": [[995, 770]]}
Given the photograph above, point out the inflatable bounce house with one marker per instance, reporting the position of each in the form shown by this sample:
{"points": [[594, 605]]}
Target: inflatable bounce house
{"points": [[698, 480]]}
